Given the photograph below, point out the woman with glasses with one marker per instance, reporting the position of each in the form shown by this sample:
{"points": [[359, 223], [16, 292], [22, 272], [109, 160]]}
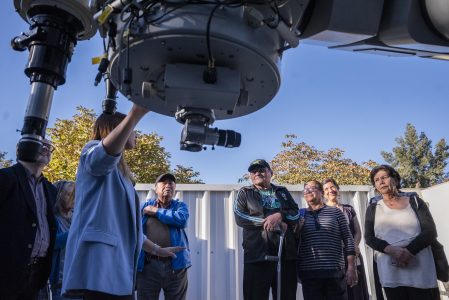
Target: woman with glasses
{"points": [[332, 195], [401, 229], [321, 265]]}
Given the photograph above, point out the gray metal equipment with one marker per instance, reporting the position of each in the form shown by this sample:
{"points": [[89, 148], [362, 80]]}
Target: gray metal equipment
{"points": [[202, 61], [55, 28], [278, 259]]}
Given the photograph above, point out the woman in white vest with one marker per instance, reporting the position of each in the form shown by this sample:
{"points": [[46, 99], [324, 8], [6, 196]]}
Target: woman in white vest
{"points": [[400, 229]]}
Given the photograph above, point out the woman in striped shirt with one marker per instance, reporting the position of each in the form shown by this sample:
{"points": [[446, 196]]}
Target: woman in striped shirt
{"points": [[321, 265]]}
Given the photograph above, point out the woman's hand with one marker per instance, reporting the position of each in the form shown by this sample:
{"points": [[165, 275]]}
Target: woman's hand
{"points": [[401, 255], [168, 251], [405, 258]]}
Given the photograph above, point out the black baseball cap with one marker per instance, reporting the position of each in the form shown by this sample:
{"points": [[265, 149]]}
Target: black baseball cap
{"points": [[164, 176], [259, 163]]}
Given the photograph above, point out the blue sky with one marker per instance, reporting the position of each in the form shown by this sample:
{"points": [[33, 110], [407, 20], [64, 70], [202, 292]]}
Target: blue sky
{"points": [[357, 102]]}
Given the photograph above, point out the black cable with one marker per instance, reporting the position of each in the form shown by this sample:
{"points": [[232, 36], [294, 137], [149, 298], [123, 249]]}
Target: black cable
{"points": [[127, 41], [209, 48], [127, 25]]}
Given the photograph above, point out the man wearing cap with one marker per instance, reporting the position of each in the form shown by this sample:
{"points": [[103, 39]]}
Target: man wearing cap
{"points": [[262, 210], [164, 220], [27, 227]]}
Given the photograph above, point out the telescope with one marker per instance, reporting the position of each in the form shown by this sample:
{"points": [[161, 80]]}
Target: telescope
{"points": [[200, 61]]}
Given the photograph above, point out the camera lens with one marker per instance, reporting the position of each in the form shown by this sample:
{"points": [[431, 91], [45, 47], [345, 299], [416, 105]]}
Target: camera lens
{"points": [[229, 138]]}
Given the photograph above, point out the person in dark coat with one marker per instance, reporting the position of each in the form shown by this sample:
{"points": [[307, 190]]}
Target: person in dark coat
{"points": [[27, 227]]}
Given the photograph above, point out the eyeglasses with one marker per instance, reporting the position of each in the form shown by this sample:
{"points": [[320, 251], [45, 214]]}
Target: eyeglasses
{"points": [[310, 190], [258, 170], [47, 148], [383, 178]]}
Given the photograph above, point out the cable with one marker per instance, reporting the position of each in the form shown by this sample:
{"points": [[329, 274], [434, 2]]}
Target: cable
{"points": [[209, 48]]}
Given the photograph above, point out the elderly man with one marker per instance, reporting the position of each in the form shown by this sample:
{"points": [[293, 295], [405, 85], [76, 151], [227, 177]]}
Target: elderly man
{"points": [[321, 265], [263, 209], [164, 220], [27, 227]]}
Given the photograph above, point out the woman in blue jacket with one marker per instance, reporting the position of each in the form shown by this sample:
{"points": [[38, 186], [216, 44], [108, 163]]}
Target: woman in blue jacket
{"points": [[106, 233]]}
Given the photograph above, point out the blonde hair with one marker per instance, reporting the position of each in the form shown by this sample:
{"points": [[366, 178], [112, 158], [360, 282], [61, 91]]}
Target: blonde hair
{"points": [[104, 124], [64, 200]]}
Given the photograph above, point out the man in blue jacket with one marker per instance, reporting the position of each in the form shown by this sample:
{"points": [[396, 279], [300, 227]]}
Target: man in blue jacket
{"points": [[164, 220]]}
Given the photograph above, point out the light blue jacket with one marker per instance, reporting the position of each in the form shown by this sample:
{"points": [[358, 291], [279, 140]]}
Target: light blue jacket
{"points": [[106, 233], [175, 216]]}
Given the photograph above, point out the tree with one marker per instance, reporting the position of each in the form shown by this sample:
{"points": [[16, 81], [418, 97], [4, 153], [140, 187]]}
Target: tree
{"points": [[186, 175], [299, 162], [69, 137], [149, 159], [4, 162], [146, 161], [414, 160]]}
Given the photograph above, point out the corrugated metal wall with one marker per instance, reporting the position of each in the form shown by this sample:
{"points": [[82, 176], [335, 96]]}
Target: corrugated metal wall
{"points": [[215, 240]]}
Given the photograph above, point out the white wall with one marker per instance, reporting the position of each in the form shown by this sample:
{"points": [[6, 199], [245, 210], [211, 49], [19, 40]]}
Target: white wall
{"points": [[215, 240]]}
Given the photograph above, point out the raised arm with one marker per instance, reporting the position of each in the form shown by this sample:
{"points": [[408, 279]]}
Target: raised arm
{"points": [[115, 142]]}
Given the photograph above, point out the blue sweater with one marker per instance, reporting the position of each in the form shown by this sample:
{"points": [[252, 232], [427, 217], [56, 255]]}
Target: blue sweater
{"points": [[175, 216]]}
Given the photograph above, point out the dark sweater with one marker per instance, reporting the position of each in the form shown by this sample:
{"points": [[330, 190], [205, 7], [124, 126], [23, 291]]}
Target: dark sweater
{"points": [[321, 251]]}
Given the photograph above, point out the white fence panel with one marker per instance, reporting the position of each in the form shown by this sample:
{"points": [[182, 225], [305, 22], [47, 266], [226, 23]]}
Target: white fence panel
{"points": [[215, 240]]}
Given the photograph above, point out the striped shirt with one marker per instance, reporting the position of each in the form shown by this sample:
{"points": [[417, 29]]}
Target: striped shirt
{"points": [[321, 250]]}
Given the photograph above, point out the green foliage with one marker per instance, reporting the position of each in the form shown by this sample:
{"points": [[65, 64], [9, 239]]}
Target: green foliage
{"points": [[146, 161], [186, 175], [149, 159], [299, 162], [4, 162], [69, 137], [414, 160]]}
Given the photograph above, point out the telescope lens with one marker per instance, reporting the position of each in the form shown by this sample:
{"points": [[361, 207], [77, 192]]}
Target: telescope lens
{"points": [[28, 149], [229, 138]]}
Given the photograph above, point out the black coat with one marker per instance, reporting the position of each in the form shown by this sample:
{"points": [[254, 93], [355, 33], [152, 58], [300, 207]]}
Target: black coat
{"points": [[249, 212], [18, 227]]}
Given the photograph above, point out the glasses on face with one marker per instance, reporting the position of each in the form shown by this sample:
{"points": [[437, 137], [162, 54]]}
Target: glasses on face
{"points": [[383, 178], [47, 148], [310, 190], [258, 170]]}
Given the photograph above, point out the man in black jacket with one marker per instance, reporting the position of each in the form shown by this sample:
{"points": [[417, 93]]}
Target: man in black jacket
{"points": [[263, 209], [27, 227]]}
